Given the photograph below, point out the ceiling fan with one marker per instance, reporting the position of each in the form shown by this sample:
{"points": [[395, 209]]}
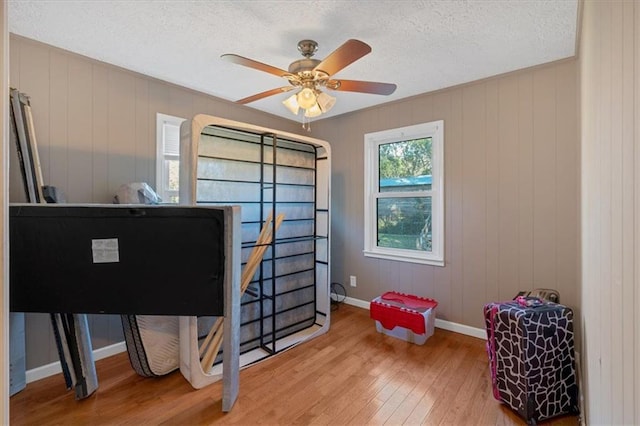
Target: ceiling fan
{"points": [[311, 75]]}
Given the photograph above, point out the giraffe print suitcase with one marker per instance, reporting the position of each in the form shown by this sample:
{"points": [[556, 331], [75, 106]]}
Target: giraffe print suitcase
{"points": [[532, 358]]}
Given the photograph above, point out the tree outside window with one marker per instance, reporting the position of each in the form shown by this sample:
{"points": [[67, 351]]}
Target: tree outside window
{"points": [[404, 222]]}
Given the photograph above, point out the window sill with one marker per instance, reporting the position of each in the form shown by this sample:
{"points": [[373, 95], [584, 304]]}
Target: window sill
{"points": [[401, 258]]}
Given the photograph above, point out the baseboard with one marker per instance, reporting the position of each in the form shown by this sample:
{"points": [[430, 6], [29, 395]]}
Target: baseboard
{"points": [[461, 328], [356, 302], [439, 323], [55, 367]]}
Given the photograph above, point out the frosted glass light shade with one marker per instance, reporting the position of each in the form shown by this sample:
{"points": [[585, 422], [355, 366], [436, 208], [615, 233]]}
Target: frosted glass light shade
{"points": [[326, 102], [306, 98], [314, 111], [292, 104]]}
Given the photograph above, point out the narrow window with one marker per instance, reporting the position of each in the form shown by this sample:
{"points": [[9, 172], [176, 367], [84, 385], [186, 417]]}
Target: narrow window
{"points": [[168, 157], [404, 194]]}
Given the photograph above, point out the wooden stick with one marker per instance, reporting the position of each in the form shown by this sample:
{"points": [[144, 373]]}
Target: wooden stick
{"points": [[265, 229], [256, 255], [218, 323], [213, 330], [265, 237], [251, 266], [259, 251], [212, 351], [254, 261]]}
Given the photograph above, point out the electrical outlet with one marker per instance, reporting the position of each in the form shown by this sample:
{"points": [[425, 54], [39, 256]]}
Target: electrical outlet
{"points": [[352, 281]]}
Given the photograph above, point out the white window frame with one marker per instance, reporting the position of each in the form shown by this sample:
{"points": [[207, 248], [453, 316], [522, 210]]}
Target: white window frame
{"points": [[161, 121], [372, 141]]}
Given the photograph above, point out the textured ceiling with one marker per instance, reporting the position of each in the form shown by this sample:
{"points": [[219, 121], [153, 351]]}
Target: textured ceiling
{"points": [[419, 45]]}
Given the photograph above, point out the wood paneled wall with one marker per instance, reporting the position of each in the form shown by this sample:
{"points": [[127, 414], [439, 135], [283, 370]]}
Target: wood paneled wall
{"points": [[96, 130], [610, 123], [511, 192]]}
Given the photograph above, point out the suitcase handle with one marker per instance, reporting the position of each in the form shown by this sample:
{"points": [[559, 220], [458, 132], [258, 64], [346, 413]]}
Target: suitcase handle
{"points": [[530, 301]]}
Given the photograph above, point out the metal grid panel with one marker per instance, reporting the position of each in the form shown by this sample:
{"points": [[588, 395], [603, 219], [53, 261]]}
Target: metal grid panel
{"points": [[237, 167]]}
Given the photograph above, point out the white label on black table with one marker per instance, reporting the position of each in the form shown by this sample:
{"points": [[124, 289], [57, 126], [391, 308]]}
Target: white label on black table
{"points": [[105, 250]]}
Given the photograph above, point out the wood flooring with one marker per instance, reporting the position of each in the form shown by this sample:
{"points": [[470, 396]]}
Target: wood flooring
{"points": [[351, 375]]}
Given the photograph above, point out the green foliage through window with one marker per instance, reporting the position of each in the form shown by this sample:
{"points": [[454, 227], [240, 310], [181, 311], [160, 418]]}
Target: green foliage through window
{"points": [[404, 159], [404, 222]]}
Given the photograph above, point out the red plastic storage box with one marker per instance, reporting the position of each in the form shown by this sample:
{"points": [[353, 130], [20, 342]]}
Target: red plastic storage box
{"points": [[404, 316]]}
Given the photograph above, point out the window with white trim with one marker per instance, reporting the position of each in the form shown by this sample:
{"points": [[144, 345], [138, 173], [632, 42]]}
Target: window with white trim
{"points": [[168, 157], [404, 194]]}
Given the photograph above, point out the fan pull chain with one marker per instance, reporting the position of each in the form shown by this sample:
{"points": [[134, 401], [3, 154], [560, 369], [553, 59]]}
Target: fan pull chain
{"points": [[306, 123]]}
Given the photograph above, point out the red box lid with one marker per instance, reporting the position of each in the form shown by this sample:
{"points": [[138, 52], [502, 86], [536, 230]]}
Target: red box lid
{"points": [[409, 301], [394, 309]]}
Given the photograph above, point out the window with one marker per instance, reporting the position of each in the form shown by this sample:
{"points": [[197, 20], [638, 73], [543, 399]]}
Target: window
{"points": [[404, 194], [168, 157]]}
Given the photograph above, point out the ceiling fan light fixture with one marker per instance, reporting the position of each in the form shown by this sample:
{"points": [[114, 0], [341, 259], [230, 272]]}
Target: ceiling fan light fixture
{"points": [[326, 102], [306, 76], [306, 98], [314, 111], [292, 104]]}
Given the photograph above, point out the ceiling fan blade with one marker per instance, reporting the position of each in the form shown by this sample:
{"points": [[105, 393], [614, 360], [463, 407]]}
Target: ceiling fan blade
{"points": [[266, 94], [362, 86], [349, 52], [241, 60]]}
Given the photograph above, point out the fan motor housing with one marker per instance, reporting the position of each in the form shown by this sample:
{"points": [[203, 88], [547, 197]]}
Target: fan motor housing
{"points": [[302, 65]]}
